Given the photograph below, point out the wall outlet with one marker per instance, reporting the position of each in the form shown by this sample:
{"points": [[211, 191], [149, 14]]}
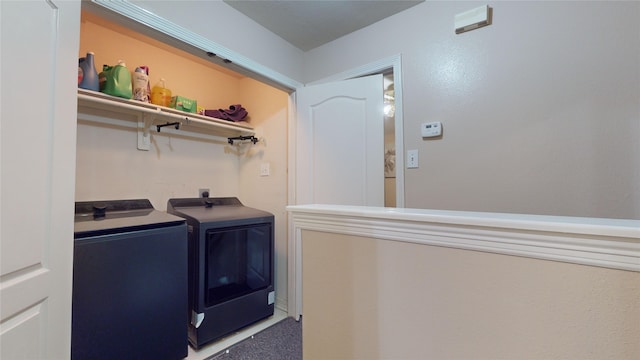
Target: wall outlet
{"points": [[203, 193], [265, 169], [412, 159]]}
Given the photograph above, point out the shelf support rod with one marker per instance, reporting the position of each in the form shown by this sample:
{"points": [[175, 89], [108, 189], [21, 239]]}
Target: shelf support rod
{"points": [[252, 138], [176, 124]]}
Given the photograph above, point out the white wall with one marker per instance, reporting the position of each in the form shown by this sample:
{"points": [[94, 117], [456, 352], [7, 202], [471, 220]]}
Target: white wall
{"points": [[540, 109], [109, 166]]}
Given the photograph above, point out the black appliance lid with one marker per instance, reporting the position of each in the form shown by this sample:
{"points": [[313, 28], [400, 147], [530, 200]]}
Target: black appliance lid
{"points": [[94, 218], [223, 209]]}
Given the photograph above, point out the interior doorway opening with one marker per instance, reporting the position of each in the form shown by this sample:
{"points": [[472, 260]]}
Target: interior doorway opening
{"points": [[391, 70], [389, 111]]}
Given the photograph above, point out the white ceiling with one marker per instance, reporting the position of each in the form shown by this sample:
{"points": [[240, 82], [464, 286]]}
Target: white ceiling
{"points": [[307, 24]]}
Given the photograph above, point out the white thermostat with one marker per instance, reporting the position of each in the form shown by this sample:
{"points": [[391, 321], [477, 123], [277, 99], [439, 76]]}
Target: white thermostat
{"points": [[431, 129]]}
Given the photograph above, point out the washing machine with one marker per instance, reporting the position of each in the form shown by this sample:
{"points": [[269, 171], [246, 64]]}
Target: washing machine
{"points": [[129, 282]]}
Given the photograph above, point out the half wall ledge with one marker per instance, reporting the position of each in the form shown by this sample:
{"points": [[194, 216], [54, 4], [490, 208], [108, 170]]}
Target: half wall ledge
{"points": [[612, 243]]}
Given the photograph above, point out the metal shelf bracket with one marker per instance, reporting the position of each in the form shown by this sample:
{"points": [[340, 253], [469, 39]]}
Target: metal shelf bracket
{"points": [[252, 138]]}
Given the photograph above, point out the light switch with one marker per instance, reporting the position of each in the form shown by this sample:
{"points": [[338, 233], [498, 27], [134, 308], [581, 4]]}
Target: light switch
{"points": [[412, 159]]}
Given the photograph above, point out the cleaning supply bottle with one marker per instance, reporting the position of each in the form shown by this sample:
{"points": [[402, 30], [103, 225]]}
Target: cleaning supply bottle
{"points": [[146, 70], [87, 74], [160, 95], [118, 81], [102, 77], [141, 84]]}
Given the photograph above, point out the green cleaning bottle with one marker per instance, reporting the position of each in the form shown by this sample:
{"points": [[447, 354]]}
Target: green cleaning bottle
{"points": [[118, 81], [102, 76]]}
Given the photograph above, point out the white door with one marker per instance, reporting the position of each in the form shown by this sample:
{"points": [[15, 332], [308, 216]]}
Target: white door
{"points": [[340, 143], [339, 154], [37, 151]]}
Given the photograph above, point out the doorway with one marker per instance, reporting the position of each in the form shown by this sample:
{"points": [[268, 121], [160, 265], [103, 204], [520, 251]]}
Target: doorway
{"points": [[339, 143], [390, 150], [391, 70]]}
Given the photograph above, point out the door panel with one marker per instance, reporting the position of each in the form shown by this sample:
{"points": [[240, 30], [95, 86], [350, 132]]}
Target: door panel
{"points": [[37, 152], [339, 154], [339, 143]]}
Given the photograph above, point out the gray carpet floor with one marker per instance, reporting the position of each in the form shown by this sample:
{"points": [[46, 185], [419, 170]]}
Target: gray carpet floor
{"points": [[282, 341]]}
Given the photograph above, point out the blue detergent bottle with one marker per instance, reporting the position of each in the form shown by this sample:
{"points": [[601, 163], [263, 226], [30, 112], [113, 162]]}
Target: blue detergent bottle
{"points": [[89, 75]]}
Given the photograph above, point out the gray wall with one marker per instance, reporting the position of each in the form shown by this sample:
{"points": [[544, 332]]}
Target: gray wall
{"points": [[540, 110]]}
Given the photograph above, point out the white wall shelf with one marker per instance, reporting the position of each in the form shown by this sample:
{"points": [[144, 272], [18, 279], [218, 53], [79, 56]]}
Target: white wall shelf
{"points": [[149, 116]]}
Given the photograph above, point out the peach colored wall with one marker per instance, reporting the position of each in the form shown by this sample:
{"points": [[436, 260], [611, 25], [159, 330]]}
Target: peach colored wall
{"points": [[377, 299], [212, 86], [109, 166]]}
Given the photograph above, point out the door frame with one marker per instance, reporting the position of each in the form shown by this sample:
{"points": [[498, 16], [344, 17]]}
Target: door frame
{"points": [[294, 257], [381, 66]]}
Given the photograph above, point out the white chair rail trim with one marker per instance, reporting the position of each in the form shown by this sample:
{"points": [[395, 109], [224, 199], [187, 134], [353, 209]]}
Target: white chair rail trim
{"points": [[598, 242]]}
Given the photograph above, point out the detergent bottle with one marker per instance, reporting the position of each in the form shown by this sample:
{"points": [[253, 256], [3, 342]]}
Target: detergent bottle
{"points": [[141, 84], [160, 95], [118, 81], [102, 76], [87, 74]]}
